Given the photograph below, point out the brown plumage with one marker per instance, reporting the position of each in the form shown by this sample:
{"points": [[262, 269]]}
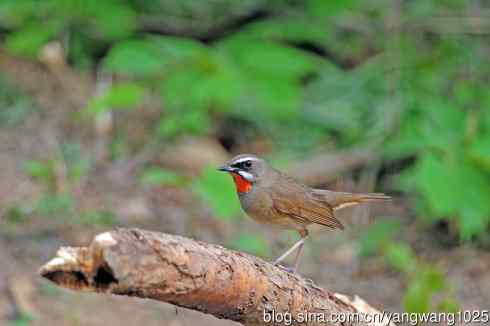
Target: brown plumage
{"points": [[271, 197], [301, 204]]}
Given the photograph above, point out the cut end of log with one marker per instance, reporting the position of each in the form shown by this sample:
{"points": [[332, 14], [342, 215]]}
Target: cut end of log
{"points": [[82, 268], [64, 269]]}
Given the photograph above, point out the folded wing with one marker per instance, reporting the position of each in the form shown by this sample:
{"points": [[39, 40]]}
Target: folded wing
{"points": [[296, 200]]}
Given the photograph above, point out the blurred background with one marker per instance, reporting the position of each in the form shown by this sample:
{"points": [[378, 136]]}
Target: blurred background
{"points": [[117, 113]]}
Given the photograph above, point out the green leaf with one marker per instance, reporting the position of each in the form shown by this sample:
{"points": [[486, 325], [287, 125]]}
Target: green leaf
{"points": [[417, 298], [204, 86], [466, 92], [15, 14], [29, 40], [120, 96], [251, 243], [177, 48], [407, 139], [193, 122], [149, 57], [98, 218], [38, 169], [377, 236], [269, 59], [295, 29], [159, 176], [114, 19], [485, 113], [124, 95], [436, 181], [134, 57], [401, 257], [474, 206], [220, 89], [480, 150], [42, 171], [218, 191], [178, 90], [473, 220], [433, 279], [278, 99], [443, 126], [50, 204], [449, 305], [327, 8]]}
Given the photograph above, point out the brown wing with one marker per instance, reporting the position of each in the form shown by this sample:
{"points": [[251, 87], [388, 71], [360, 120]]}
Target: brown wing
{"points": [[296, 200]]}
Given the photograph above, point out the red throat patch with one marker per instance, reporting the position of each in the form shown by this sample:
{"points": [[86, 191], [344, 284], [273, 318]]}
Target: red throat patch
{"points": [[242, 185]]}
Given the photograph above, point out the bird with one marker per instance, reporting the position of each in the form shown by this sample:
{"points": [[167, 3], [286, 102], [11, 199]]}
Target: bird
{"points": [[271, 197]]}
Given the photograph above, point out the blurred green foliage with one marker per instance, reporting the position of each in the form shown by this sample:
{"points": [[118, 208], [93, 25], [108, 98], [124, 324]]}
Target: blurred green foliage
{"points": [[84, 25], [76, 163], [216, 188], [427, 288], [15, 105], [51, 205], [43, 172], [422, 96], [300, 74], [378, 235], [251, 243], [99, 218], [24, 319], [56, 202], [15, 215], [158, 176], [121, 96]]}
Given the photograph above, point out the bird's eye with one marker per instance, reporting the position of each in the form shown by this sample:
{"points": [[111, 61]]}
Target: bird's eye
{"points": [[247, 164]]}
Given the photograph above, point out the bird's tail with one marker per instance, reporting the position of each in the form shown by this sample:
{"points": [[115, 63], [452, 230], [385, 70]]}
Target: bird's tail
{"points": [[340, 200], [373, 196]]}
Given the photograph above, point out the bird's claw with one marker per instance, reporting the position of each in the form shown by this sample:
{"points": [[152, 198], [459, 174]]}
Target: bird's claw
{"points": [[285, 268]]}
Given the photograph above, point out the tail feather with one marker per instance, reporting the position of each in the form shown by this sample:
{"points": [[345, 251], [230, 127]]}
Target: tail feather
{"points": [[374, 196], [338, 200]]}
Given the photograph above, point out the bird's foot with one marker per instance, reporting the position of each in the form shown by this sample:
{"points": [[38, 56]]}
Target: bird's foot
{"points": [[285, 268]]}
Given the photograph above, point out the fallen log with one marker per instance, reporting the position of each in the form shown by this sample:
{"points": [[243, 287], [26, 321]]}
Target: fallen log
{"points": [[205, 277]]}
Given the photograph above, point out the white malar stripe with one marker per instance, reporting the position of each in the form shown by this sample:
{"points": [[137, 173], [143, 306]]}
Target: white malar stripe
{"points": [[247, 176], [243, 159]]}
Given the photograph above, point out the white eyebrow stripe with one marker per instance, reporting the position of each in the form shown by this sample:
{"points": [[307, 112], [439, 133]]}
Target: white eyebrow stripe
{"points": [[247, 176], [243, 159]]}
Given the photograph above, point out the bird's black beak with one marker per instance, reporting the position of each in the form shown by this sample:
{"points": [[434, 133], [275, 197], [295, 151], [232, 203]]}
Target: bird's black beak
{"points": [[226, 168]]}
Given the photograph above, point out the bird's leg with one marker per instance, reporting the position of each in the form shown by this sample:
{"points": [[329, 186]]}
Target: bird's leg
{"points": [[304, 234], [289, 251], [298, 256], [297, 246]]}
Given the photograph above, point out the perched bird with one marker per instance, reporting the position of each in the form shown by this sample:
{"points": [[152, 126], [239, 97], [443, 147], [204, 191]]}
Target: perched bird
{"points": [[271, 197]]}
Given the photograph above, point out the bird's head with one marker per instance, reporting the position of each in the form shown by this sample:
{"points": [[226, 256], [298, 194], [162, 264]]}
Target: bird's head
{"points": [[246, 170]]}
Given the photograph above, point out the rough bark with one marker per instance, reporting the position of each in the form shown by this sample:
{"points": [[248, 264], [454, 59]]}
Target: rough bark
{"points": [[196, 275]]}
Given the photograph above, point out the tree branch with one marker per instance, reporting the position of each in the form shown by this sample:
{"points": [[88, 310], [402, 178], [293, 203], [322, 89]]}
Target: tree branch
{"points": [[196, 275]]}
